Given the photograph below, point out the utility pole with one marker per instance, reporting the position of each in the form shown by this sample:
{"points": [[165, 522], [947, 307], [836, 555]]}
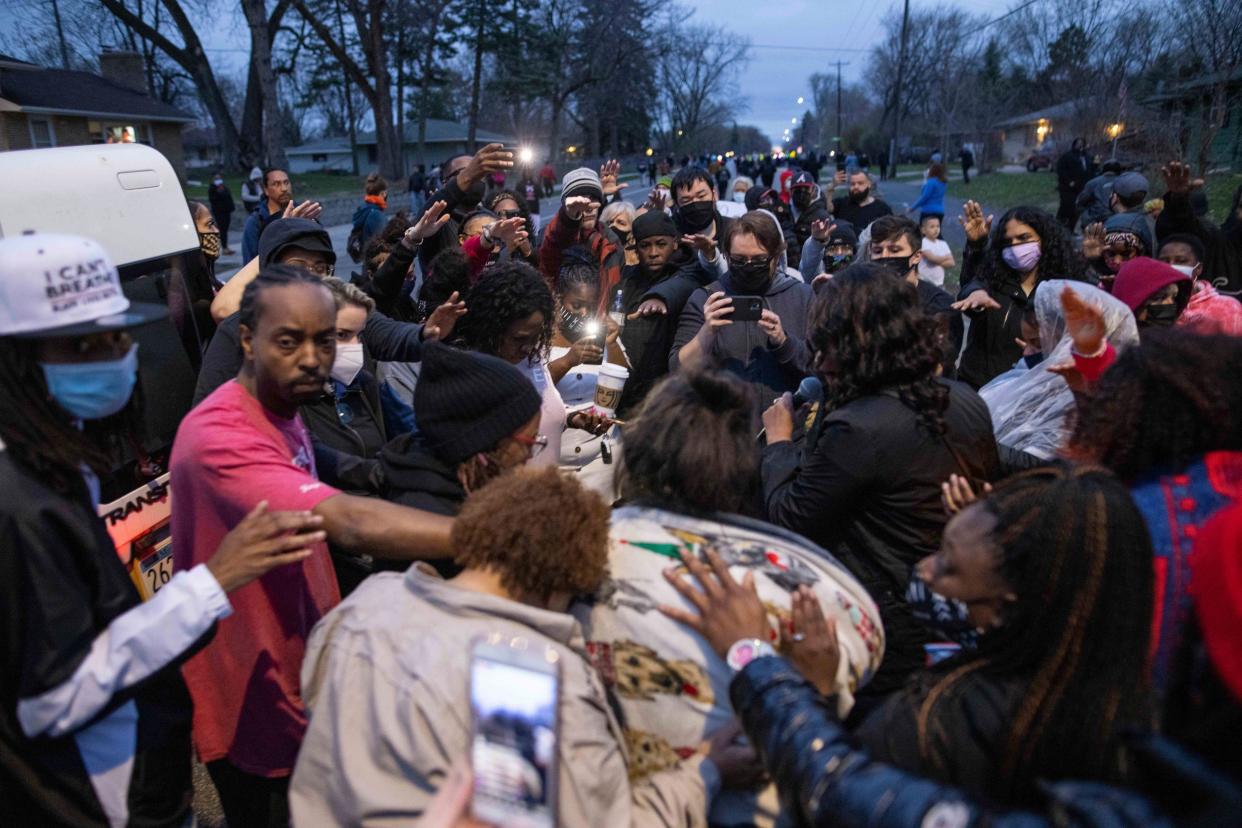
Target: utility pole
{"points": [[901, 72], [839, 65]]}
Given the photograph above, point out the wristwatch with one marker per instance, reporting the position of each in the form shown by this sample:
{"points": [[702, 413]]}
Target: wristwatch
{"points": [[746, 650]]}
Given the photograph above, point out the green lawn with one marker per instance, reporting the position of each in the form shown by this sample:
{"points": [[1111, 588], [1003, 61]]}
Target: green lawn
{"points": [[999, 191]]}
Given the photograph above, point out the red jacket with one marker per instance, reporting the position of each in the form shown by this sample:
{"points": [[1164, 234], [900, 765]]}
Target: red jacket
{"points": [[563, 233]]}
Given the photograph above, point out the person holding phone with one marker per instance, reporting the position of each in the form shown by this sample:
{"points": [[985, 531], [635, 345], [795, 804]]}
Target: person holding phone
{"points": [[94, 714], [389, 673], [768, 349]]}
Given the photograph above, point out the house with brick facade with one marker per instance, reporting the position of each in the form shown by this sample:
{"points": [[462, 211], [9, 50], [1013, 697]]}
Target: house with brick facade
{"points": [[45, 107]]}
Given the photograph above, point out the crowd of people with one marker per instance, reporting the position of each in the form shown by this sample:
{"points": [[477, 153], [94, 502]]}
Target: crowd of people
{"points": [[809, 539]]}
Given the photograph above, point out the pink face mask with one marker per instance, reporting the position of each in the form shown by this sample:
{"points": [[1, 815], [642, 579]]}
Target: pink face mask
{"points": [[1022, 257]]}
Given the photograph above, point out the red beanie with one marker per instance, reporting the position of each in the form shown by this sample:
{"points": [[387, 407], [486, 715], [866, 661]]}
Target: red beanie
{"points": [[1216, 584], [1140, 277]]}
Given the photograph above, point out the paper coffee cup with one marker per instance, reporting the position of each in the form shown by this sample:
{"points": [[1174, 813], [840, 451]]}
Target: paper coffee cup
{"points": [[608, 387]]}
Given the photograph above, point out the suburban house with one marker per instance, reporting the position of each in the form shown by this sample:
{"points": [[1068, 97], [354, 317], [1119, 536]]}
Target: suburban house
{"points": [[1185, 105], [43, 107], [445, 139]]}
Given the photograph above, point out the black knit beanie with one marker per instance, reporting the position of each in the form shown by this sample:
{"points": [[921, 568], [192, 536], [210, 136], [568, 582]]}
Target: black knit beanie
{"points": [[466, 402], [654, 223]]}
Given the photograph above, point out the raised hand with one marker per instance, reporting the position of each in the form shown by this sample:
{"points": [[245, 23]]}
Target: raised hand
{"points": [[261, 542], [439, 325], [649, 307], [435, 217], [655, 200], [956, 494], [492, 158], [510, 231], [575, 206], [1093, 241], [1177, 178], [978, 300], [976, 226], [1083, 322], [821, 230], [608, 173], [307, 210], [702, 244]]}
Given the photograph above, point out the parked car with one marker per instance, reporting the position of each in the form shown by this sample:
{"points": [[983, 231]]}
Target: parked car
{"points": [[1039, 160]]}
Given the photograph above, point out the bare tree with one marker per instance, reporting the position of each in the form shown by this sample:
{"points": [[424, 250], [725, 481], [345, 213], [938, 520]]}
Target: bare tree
{"points": [[191, 57], [374, 81], [1213, 34], [698, 65], [261, 37]]}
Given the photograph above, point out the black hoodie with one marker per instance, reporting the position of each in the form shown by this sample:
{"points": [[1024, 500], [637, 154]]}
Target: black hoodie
{"points": [[413, 476]]}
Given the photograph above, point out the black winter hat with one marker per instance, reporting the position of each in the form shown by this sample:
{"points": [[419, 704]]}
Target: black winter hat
{"points": [[302, 233], [653, 223], [467, 402]]}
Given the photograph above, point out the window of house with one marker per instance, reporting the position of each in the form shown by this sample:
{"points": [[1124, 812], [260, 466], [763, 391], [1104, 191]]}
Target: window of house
{"points": [[104, 132], [319, 158], [41, 133]]}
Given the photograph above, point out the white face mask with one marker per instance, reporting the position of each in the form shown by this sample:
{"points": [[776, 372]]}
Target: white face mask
{"points": [[739, 195], [1186, 270], [348, 362]]}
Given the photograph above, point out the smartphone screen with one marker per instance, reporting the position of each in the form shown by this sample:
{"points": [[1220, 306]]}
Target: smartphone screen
{"points": [[514, 708]]}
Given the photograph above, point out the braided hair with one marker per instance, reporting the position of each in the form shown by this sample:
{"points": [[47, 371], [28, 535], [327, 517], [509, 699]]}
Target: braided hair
{"points": [[277, 275], [1162, 404], [506, 292], [872, 335], [1076, 552]]}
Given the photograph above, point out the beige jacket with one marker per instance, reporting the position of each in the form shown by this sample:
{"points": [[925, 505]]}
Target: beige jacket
{"points": [[385, 680]]}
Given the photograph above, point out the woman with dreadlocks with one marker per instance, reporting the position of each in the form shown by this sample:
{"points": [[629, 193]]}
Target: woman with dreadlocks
{"points": [[1000, 271], [1054, 572], [94, 715], [866, 486]]}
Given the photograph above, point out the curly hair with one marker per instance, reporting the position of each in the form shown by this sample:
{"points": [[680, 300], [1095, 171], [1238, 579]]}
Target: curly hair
{"points": [[540, 530], [1058, 259], [871, 335], [1162, 404], [1076, 553], [691, 447], [505, 293]]}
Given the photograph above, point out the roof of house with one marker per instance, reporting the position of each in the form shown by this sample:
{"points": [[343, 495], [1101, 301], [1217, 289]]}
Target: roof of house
{"points": [[438, 132], [1061, 110], [38, 90], [1196, 86]]}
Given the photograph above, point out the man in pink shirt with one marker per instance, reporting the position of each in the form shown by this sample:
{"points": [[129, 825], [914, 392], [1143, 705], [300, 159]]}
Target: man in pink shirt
{"points": [[1208, 311], [245, 443]]}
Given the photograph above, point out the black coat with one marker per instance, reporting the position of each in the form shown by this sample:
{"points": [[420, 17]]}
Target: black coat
{"points": [[1073, 172], [413, 476], [867, 489], [1222, 265], [817, 211], [364, 435]]}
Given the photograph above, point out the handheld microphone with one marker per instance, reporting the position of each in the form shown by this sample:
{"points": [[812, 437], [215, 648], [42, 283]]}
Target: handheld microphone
{"points": [[810, 390]]}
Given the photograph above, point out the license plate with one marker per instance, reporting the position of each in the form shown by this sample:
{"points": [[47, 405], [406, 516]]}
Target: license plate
{"points": [[157, 568]]}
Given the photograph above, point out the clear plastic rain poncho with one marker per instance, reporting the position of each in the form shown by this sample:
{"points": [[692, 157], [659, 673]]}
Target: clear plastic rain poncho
{"points": [[1030, 406]]}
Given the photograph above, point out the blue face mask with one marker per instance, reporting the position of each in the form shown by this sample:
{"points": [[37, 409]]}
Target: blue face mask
{"points": [[91, 390], [946, 616]]}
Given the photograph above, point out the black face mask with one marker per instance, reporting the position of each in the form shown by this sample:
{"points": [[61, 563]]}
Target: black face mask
{"points": [[753, 277], [899, 266], [802, 199], [1160, 316], [573, 326], [695, 216]]}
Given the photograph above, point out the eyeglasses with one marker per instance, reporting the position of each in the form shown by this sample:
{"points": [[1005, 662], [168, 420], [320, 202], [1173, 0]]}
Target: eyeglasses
{"points": [[756, 261], [321, 269], [508, 214], [534, 445]]}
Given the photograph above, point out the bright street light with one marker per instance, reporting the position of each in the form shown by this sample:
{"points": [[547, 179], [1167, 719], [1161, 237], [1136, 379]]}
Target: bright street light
{"points": [[801, 99], [650, 152], [793, 120], [525, 155]]}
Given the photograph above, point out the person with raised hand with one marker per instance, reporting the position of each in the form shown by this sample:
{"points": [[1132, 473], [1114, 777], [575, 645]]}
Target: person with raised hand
{"points": [[576, 224], [94, 715], [1000, 271], [464, 183]]}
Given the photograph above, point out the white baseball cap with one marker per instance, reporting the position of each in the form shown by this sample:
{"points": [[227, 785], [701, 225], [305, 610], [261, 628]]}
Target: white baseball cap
{"points": [[61, 285]]}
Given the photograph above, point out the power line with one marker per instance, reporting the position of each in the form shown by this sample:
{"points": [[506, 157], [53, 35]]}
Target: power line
{"points": [[805, 48]]}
